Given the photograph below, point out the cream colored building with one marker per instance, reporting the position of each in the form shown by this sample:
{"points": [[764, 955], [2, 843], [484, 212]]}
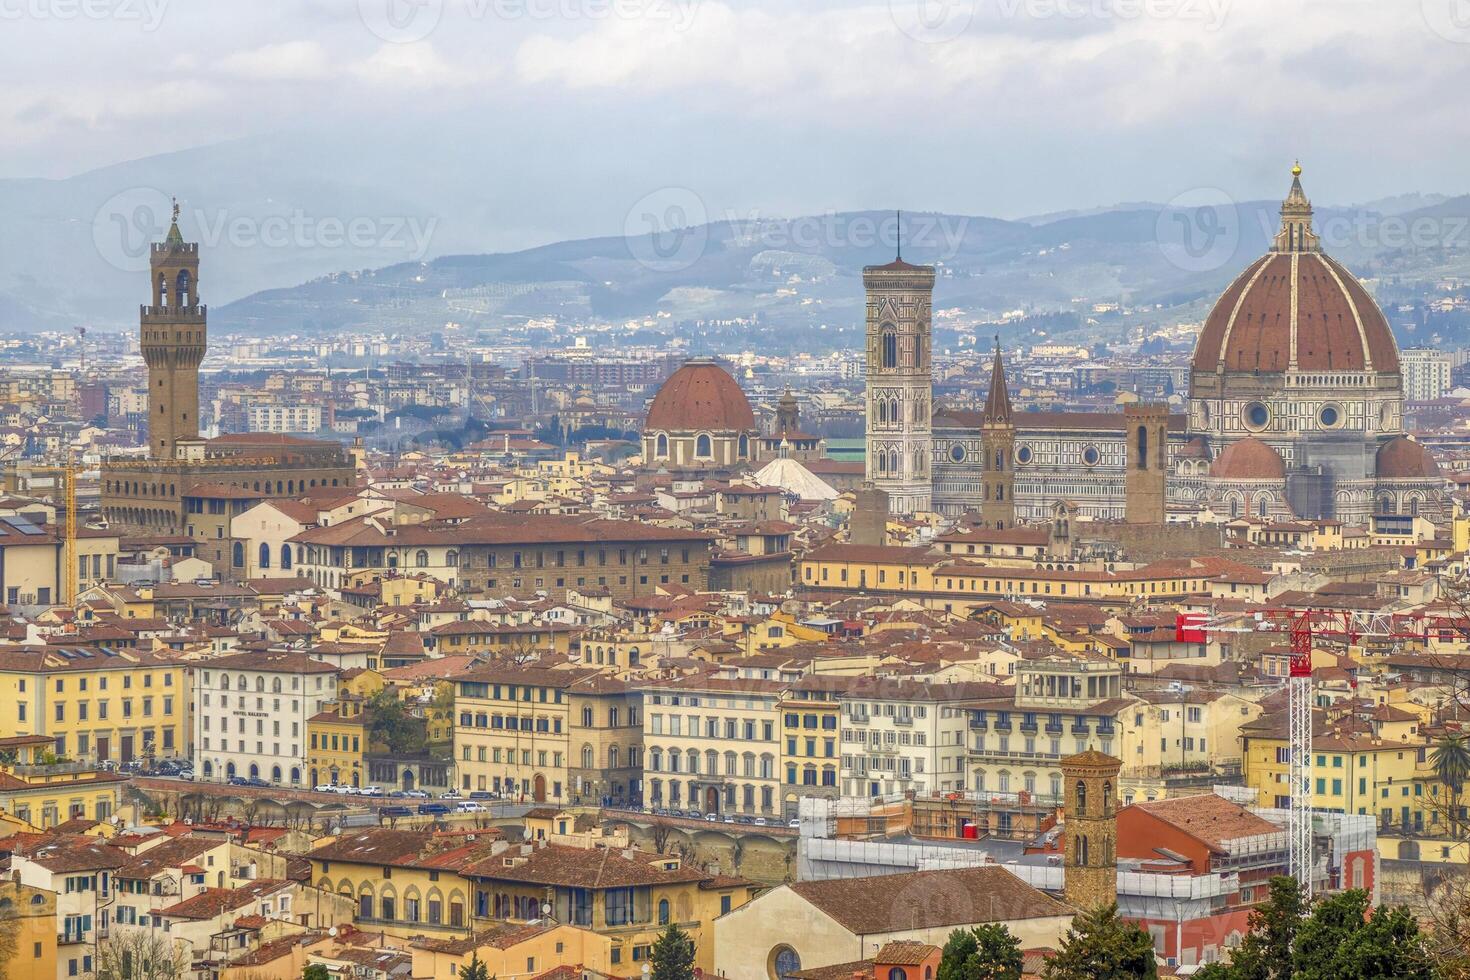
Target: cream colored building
{"points": [[813, 924], [712, 745]]}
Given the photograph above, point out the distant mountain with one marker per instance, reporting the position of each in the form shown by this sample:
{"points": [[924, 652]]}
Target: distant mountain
{"points": [[299, 238], [1177, 259]]}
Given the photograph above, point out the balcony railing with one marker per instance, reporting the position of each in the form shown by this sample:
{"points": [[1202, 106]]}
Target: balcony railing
{"points": [[996, 755], [1028, 728], [905, 720], [979, 724], [1054, 728]]}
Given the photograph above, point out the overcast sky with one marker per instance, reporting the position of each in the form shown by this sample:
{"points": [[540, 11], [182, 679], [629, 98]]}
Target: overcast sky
{"points": [[1003, 107]]}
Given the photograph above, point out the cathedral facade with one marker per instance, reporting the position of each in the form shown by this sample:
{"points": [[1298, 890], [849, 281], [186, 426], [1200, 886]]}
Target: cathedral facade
{"points": [[1295, 411]]}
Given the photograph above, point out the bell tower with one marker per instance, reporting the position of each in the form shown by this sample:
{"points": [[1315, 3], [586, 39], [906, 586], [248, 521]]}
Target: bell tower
{"points": [[173, 342], [998, 452], [1146, 426], [899, 388], [1090, 834]]}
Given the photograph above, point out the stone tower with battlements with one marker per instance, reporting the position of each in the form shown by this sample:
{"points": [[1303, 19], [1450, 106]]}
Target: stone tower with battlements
{"points": [[1146, 433], [173, 339], [997, 455], [1090, 834], [899, 389]]}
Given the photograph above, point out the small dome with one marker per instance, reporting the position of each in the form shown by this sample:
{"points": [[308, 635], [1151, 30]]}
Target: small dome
{"points": [[700, 395], [1249, 459], [1404, 459]]}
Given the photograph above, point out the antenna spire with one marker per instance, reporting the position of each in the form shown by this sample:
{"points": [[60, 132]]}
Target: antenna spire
{"points": [[898, 221]]}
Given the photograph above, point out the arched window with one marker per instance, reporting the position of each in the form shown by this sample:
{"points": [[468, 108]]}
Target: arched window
{"points": [[181, 292], [1261, 502], [890, 347], [1142, 448], [254, 771], [661, 446], [451, 558], [893, 460], [275, 685], [1082, 849], [882, 462], [265, 555], [421, 558], [744, 446], [702, 446], [286, 556], [587, 757], [237, 555], [896, 973], [663, 911], [275, 774], [612, 756], [1081, 798], [882, 410], [1107, 800]]}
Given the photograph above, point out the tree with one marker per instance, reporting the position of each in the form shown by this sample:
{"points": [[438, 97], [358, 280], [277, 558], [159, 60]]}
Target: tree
{"points": [[475, 969], [1265, 953], [1451, 762], [137, 954], [1342, 938], [1101, 946], [987, 952], [390, 724], [316, 971], [1346, 939], [673, 955]]}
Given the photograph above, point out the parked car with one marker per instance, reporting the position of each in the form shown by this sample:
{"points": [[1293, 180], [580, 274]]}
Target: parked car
{"points": [[437, 809], [395, 811], [371, 791], [187, 774], [238, 781], [257, 782], [416, 794], [744, 819], [659, 811], [341, 790], [326, 788], [759, 821], [793, 823], [451, 795], [712, 817], [482, 794], [729, 818], [469, 806]]}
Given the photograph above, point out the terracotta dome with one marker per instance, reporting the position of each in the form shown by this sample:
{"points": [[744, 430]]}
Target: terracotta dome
{"points": [[1249, 459], [1405, 459], [1322, 311], [1296, 309], [700, 395]]}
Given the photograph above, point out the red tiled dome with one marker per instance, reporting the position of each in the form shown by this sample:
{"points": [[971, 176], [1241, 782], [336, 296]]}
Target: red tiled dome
{"points": [[1322, 310], [700, 395], [1403, 458], [1249, 459]]}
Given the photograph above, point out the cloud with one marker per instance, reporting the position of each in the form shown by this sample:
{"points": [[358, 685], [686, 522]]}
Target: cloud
{"points": [[291, 61]]}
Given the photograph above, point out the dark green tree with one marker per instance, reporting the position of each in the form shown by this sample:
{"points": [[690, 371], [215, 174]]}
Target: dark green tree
{"points": [[1265, 953], [1345, 938], [316, 971], [1101, 946], [1451, 762], [673, 955], [475, 969], [987, 952], [391, 725]]}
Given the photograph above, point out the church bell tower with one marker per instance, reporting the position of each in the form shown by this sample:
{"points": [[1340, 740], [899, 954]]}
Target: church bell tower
{"points": [[998, 448], [173, 342], [899, 389]]}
